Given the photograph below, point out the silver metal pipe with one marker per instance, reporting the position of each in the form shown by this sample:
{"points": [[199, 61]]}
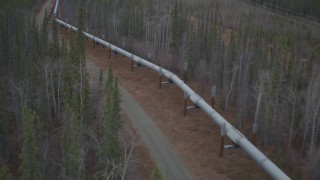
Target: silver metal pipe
{"points": [[235, 135], [56, 8]]}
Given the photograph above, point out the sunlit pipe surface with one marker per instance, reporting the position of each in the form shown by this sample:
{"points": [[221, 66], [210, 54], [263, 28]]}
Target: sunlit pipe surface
{"points": [[56, 8], [234, 134]]}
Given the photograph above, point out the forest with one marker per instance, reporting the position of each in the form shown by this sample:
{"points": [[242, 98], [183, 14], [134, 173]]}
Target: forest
{"points": [[266, 69], [305, 8], [49, 127]]}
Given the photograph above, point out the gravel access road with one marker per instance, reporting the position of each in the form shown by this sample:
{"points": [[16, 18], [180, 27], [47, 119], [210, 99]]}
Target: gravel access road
{"points": [[169, 163]]}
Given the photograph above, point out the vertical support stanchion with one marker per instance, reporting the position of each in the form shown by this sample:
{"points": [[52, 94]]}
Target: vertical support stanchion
{"points": [[185, 69], [186, 96], [132, 65], [94, 42], [66, 31], [213, 95], [160, 78], [254, 133], [103, 37], [185, 108], [223, 134], [132, 62], [160, 82], [110, 52], [101, 76]]}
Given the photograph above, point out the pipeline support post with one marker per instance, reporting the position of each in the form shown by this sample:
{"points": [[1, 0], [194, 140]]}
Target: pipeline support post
{"points": [[94, 43], [185, 69], [186, 96], [254, 133], [101, 75], [66, 30], [169, 81], [103, 36], [160, 77], [138, 64], [132, 65], [223, 134], [132, 62], [213, 95], [186, 106], [160, 82]]}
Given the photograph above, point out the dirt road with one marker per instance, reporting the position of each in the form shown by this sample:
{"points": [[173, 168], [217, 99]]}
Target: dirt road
{"points": [[169, 163], [40, 15]]}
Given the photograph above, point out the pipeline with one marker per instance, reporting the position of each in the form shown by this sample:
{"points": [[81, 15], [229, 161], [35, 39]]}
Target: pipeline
{"points": [[235, 135], [55, 9]]}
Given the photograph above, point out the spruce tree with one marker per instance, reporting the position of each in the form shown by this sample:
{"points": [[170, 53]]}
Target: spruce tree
{"points": [[44, 36], [116, 117], [55, 45], [71, 151], [110, 153], [85, 96], [276, 81], [175, 29], [4, 172], [69, 76], [212, 37], [2, 115], [87, 103], [190, 53], [30, 163], [80, 40]]}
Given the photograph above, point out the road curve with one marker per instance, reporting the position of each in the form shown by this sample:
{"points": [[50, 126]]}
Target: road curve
{"points": [[169, 163], [48, 5]]}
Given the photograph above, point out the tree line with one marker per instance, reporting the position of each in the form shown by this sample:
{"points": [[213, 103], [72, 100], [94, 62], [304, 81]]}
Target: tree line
{"points": [[307, 8], [265, 67], [49, 128]]}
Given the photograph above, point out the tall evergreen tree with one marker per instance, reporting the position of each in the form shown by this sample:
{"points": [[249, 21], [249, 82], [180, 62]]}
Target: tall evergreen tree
{"points": [[87, 103], [85, 96], [55, 44], [175, 28], [4, 172], [69, 75], [190, 53], [44, 36], [3, 112], [110, 153], [71, 149], [212, 37], [30, 163]]}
